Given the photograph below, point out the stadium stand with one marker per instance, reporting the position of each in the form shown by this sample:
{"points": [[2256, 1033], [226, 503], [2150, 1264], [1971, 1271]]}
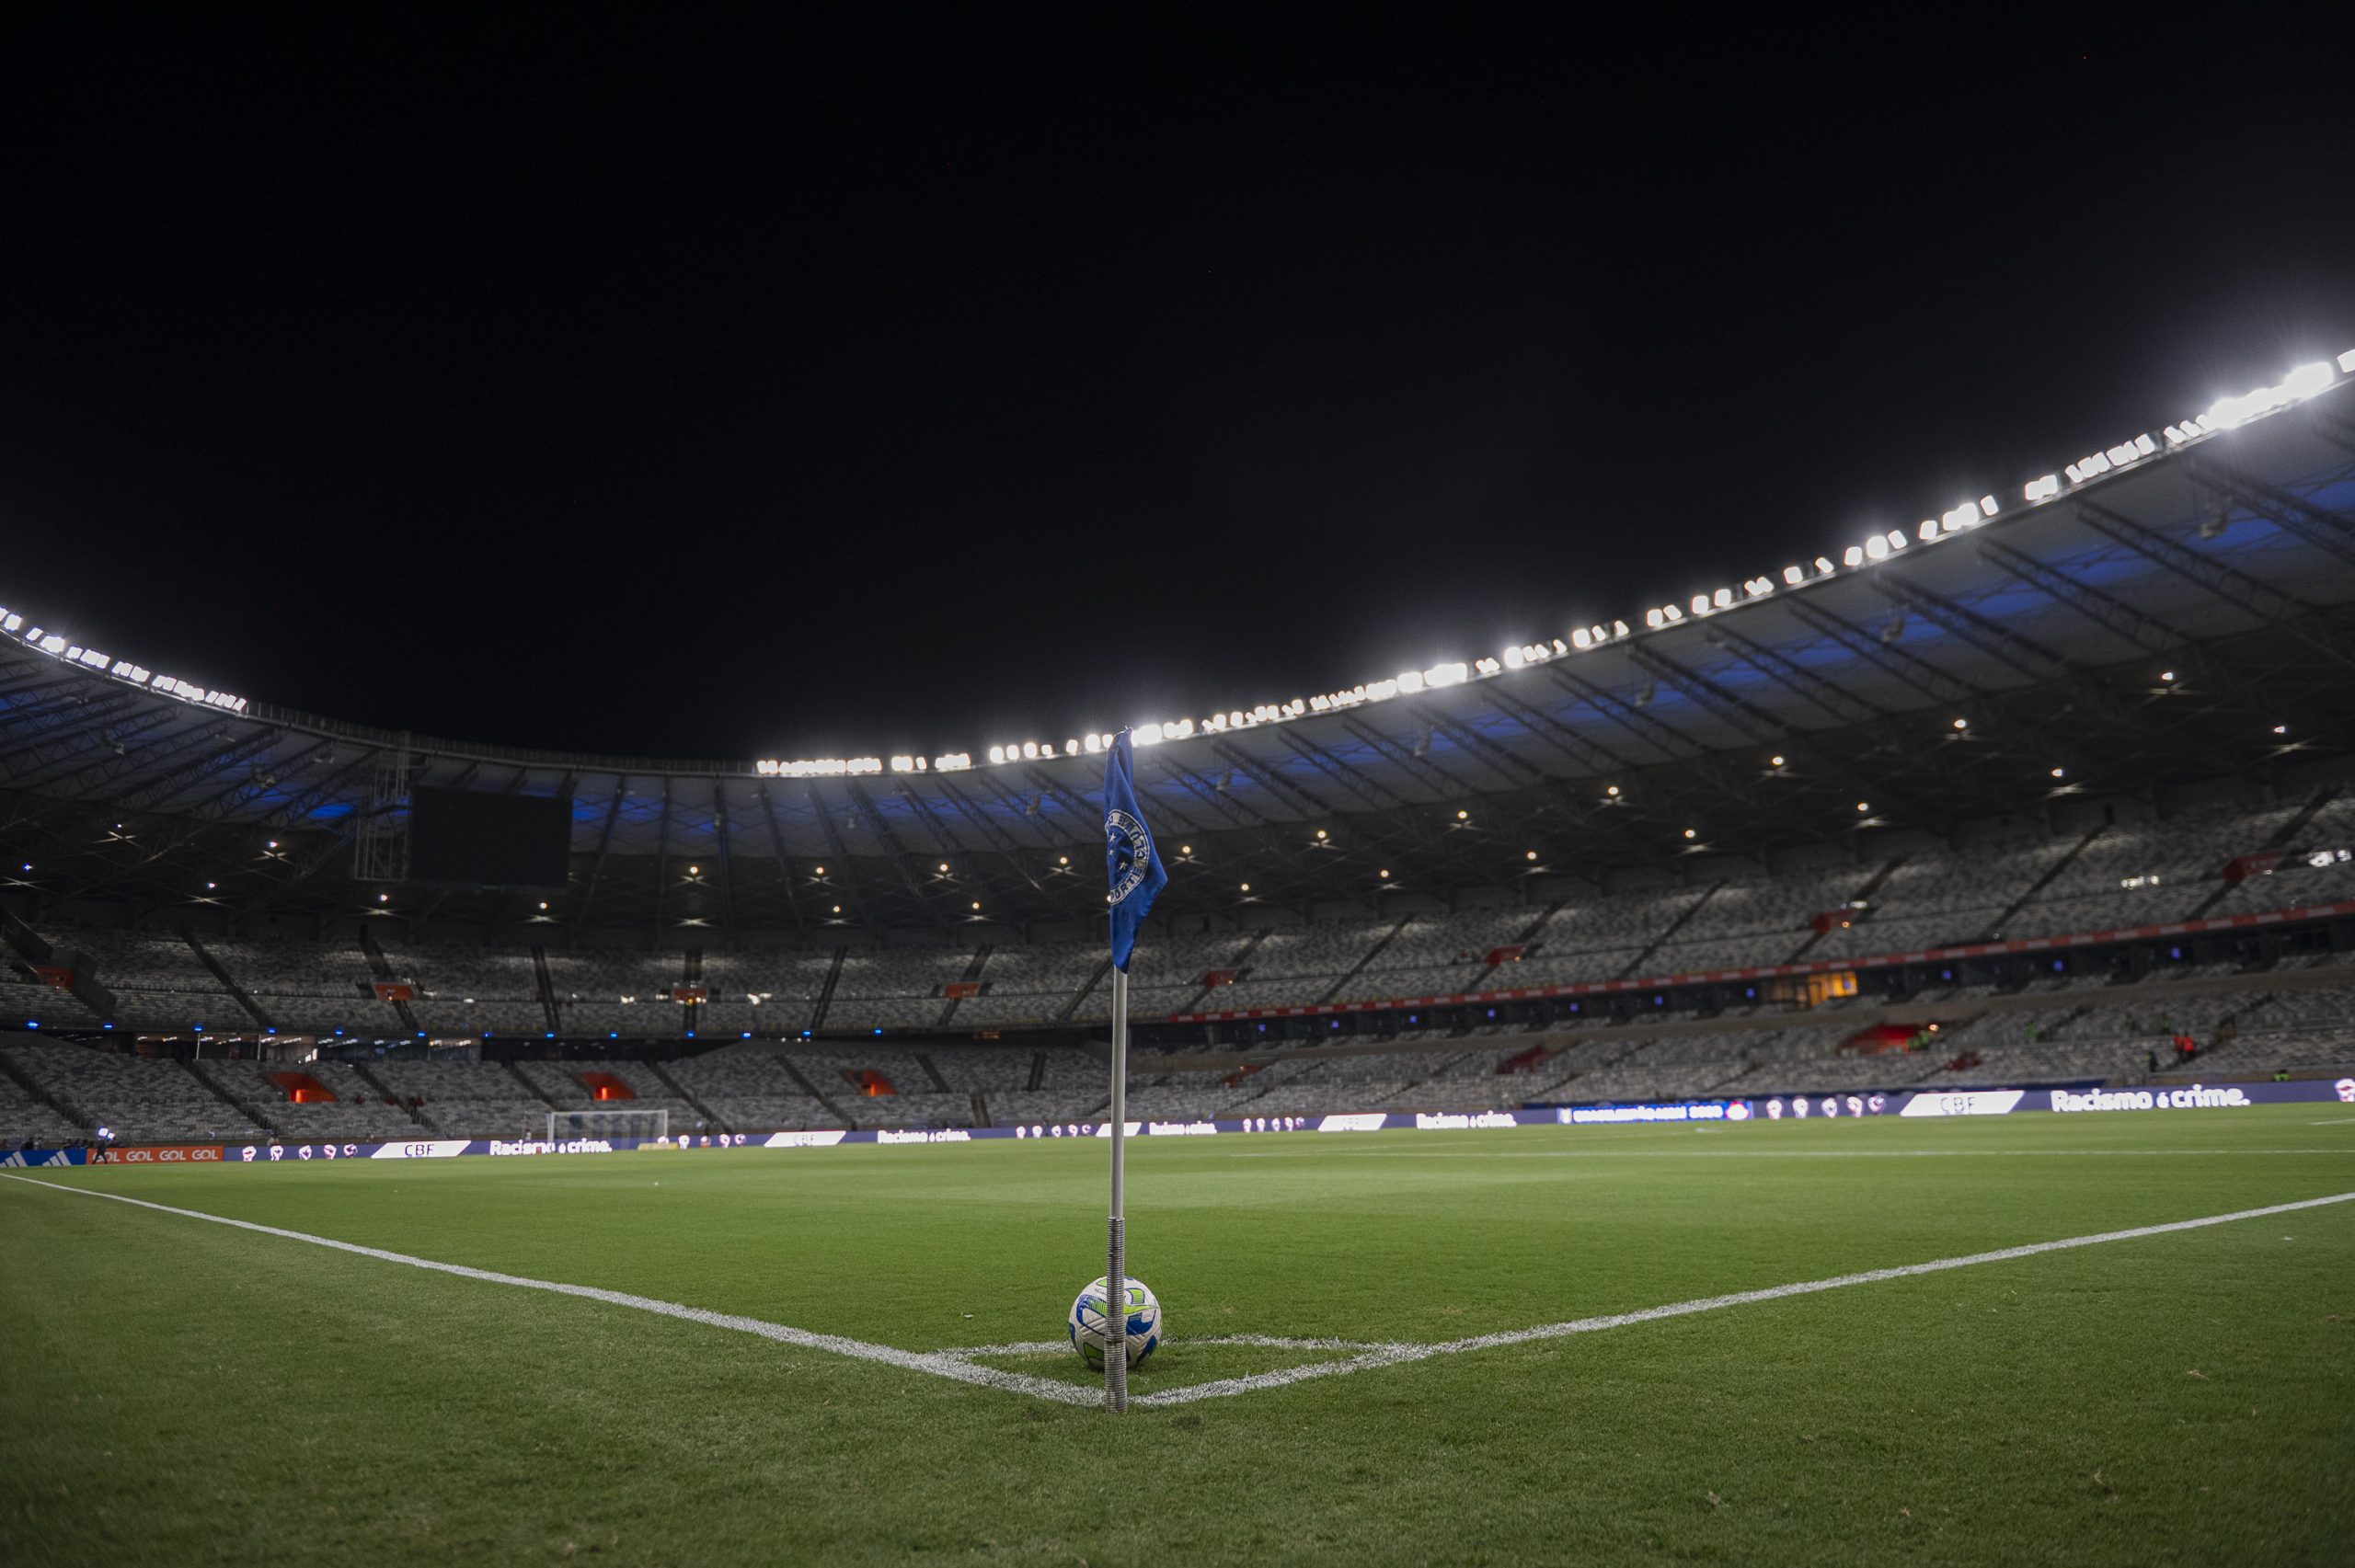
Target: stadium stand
{"points": [[136, 1099], [2120, 738]]}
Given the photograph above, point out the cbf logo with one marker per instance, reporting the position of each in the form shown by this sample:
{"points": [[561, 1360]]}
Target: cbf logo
{"points": [[1129, 851]]}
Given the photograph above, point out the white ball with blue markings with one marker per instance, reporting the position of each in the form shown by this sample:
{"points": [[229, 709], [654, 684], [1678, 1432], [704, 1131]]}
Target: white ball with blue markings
{"points": [[1091, 1325]]}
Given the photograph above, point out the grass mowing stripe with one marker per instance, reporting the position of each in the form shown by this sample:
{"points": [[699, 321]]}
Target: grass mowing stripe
{"points": [[953, 1365], [1782, 1153], [1392, 1356], [909, 1360]]}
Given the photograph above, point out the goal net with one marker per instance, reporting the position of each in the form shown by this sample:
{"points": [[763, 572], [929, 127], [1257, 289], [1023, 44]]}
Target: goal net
{"points": [[566, 1125]]}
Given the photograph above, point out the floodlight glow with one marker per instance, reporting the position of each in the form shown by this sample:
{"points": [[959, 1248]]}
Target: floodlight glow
{"points": [[2308, 380], [2303, 381], [2346, 363]]}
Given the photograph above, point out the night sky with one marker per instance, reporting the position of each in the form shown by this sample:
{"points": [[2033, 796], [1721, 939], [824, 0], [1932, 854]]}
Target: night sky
{"points": [[906, 381]]}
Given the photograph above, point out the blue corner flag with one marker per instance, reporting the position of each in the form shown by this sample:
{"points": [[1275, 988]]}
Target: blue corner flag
{"points": [[1130, 867]]}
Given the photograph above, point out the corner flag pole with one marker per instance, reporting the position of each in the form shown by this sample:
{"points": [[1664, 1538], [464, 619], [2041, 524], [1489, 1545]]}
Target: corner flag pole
{"points": [[1134, 876], [1116, 1354]]}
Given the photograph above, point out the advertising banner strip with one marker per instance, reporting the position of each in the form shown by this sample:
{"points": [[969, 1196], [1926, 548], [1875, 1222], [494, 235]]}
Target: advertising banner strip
{"points": [[1845, 1105]]}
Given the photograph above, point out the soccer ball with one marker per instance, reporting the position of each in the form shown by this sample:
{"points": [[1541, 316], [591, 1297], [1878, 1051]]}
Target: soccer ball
{"points": [[1090, 1327]]}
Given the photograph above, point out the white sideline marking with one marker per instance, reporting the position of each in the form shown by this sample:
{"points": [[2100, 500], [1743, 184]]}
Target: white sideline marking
{"points": [[939, 1365], [1394, 1355], [955, 1364]]}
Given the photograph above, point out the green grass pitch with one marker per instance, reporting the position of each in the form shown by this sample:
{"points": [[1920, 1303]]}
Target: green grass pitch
{"points": [[178, 1391]]}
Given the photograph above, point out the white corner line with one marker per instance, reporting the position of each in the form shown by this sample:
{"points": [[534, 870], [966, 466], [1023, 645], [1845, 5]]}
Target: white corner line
{"points": [[937, 1365], [954, 1363]]}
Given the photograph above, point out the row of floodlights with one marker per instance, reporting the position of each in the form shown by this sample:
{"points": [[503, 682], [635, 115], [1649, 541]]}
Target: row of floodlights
{"points": [[58, 646], [2303, 383], [2226, 413]]}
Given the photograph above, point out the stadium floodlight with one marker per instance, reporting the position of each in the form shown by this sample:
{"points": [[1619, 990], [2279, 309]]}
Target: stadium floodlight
{"points": [[1853, 556], [1700, 605], [1721, 598], [2041, 489], [1654, 619], [1877, 548], [2346, 361], [2308, 380], [1929, 530]]}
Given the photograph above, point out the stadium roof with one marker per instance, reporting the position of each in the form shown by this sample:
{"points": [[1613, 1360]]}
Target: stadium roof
{"points": [[2174, 612]]}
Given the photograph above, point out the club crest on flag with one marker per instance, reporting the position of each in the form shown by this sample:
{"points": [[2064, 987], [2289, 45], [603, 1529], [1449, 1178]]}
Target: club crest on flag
{"points": [[1128, 848], [1134, 874]]}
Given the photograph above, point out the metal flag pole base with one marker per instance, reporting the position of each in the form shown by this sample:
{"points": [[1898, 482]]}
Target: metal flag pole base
{"points": [[1116, 1271], [1116, 1349]]}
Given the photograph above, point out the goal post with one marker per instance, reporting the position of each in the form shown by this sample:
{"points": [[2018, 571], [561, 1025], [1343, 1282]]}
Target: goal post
{"points": [[566, 1125]]}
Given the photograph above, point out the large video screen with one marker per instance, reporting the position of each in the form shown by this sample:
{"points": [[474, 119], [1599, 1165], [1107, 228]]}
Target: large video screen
{"points": [[488, 840]]}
